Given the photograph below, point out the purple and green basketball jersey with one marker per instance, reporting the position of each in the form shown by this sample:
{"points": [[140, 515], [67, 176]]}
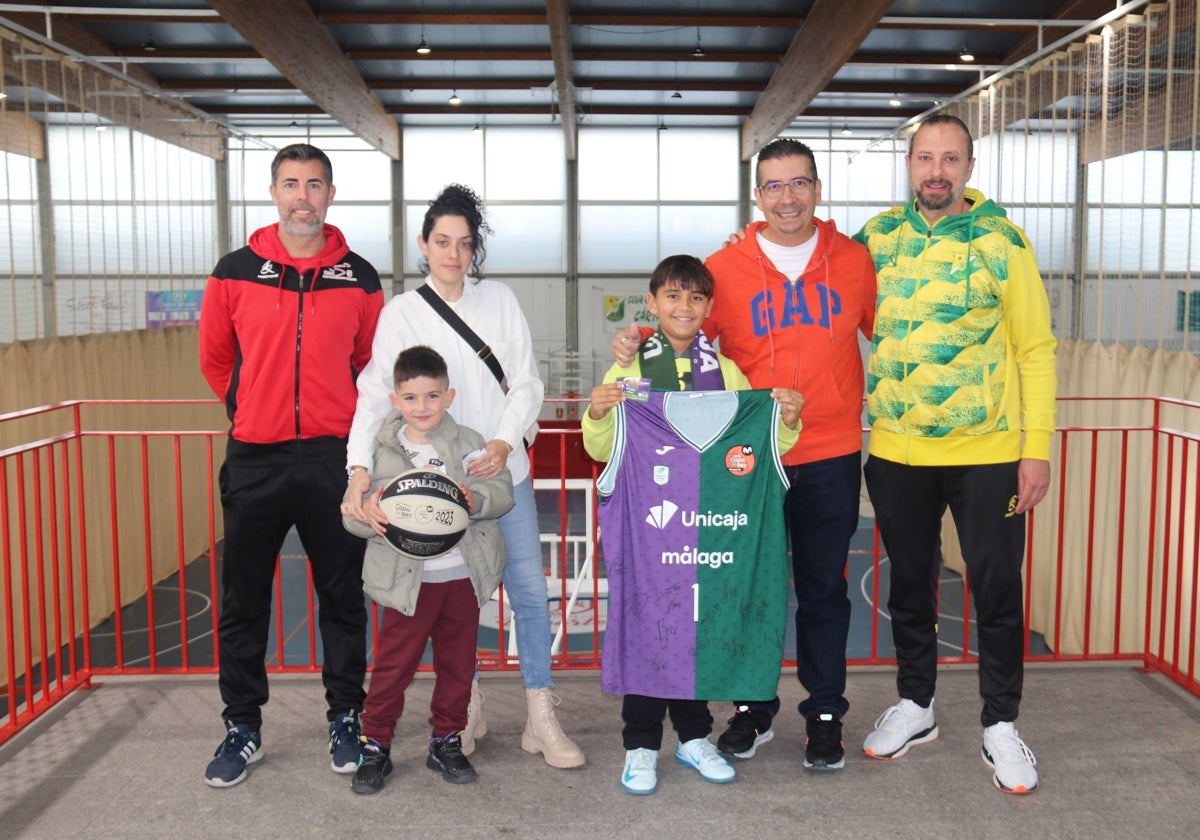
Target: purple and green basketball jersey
{"points": [[691, 521]]}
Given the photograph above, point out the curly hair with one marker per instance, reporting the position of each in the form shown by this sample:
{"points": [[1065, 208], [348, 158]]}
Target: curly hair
{"points": [[457, 200]]}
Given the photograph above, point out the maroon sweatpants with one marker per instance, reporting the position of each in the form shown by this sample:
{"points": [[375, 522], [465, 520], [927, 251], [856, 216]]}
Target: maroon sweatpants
{"points": [[447, 614]]}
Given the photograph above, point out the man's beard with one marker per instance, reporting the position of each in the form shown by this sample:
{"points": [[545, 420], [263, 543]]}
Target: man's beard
{"points": [[294, 228], [927, 203]]}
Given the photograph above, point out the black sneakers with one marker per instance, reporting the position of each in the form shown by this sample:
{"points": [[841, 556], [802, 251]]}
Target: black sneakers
{"points": [[374, 767], [446, 756], [824, 750], [747, 730]]}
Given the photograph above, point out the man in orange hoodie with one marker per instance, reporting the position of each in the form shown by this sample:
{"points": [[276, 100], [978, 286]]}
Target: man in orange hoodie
{"points": [[286, 324], [790, 301]]}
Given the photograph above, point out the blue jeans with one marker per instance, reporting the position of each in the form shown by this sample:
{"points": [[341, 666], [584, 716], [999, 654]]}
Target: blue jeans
{"points": [[525, 587]]}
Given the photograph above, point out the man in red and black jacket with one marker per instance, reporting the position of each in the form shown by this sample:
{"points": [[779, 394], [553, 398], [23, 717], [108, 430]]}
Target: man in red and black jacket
{"points": [[286, 324]]}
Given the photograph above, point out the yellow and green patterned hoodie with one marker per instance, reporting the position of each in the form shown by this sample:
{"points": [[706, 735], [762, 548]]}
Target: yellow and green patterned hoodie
{"points": [[962, 347]]}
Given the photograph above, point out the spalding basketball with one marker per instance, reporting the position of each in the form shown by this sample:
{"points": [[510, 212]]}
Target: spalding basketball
{"points": [[426, 511]]}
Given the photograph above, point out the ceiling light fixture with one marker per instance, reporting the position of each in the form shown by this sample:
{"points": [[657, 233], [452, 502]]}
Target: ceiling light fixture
{"points": [[846, 132], [677, 95], [454, 99], [662, 125], [894, 102], [148, 45], [965, 54], [699, 51], [478, 128], [423, 48]]}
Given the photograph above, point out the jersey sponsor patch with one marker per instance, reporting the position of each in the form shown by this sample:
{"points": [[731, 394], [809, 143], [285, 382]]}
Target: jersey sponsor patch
{"points": [[739, 460], [660, 515]]}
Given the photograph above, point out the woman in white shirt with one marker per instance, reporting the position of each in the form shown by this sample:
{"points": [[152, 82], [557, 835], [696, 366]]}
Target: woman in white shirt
{"points": [[452, 244]]}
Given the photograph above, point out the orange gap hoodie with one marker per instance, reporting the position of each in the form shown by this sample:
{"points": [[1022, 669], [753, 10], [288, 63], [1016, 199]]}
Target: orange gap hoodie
{"points": [[801, 335]]}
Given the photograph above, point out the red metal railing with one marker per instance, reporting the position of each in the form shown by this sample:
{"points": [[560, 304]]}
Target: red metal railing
{"points": [[109, 550]]}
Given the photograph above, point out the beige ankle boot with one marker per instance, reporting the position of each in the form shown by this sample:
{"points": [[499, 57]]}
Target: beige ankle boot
{"points": [[476, 724], [543, 734]]}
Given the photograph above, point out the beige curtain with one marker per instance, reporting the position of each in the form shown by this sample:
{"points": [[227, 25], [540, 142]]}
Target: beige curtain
{"points": [[1059, 598]]}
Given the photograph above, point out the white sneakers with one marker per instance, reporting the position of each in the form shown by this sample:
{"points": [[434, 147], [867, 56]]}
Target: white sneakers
{"points": [[899, 728], [703, 756], [640, 774], [906, 724], [1012, 761], [641, 771]]}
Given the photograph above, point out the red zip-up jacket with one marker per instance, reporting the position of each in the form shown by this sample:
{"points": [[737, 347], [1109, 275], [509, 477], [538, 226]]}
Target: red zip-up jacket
{"points": [[282, 340], [801, 335]]}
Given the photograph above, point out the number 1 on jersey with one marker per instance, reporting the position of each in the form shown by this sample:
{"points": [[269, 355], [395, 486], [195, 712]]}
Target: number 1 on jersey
{"points": [[696, 602]]}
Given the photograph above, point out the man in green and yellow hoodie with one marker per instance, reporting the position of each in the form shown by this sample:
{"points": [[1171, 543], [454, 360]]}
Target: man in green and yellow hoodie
{"points": [[961, 354]]}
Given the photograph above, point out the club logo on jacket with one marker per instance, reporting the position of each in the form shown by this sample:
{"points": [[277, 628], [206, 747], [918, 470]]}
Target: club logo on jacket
{"points": [[268, 271], [341, 271]]}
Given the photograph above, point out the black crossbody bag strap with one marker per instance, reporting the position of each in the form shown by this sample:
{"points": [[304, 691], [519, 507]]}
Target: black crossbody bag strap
{"points": [[482, 350]]}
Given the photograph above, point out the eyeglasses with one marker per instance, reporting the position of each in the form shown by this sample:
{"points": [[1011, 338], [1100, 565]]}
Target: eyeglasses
{"points": [[801, 184]]}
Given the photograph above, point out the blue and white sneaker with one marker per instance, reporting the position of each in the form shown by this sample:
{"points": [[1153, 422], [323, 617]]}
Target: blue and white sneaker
{"points": [[242, 746], [641, 771], [703, 756], [344, 734]]}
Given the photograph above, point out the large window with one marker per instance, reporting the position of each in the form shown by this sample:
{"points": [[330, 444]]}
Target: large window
{"points": [[20, 255], [133, 224], [1141, 249], [645, 194]]}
